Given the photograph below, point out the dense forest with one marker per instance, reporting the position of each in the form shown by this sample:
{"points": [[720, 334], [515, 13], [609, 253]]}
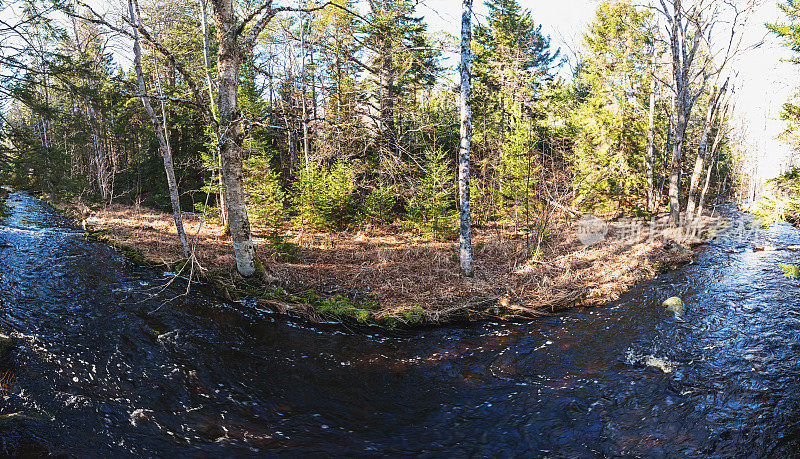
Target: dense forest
{"points": [[783, 201], [341, 115], [246, 228]]}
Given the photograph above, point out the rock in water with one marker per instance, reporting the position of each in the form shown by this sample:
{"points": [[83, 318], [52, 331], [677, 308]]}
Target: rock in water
{"points": [[25, 417], [5, 343], [675, 305]]}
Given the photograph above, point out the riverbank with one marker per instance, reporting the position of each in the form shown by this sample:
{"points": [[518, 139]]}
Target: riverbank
{"points": [[392, 278]]}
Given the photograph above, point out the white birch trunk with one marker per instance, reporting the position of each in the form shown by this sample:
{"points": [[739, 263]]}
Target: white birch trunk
{"points": [[158, 125], [677, 45], [229, 59], [714, 149], [699, 164], [466, 138], [100, 160]]}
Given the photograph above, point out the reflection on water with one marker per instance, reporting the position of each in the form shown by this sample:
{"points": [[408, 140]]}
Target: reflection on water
{"points": [[102, 367]]}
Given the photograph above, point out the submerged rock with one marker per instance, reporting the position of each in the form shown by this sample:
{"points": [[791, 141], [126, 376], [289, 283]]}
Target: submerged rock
{"points": [[675, 305], [25, 417], [5, 343], [661, 363], [676, 247]]}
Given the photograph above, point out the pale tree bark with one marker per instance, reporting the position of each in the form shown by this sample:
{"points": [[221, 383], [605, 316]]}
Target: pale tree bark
{"points": [[699, 164], [99, 157], [685, 33], [230, 139], [651, 133], [466, 138], [675, 156], [207, 56], [714, 149], [232, 46], [158, 127], [682, 57], [659, 190], [675, 166], [702, 200]]}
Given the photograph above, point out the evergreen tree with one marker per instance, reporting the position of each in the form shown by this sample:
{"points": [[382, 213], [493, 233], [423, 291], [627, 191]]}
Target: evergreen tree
{"points": [[790, 33], [611, 146], [512, 63], [403, 61]]}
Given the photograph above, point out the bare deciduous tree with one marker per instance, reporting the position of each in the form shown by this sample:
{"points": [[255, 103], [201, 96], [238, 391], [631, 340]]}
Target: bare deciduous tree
{"points": [[159, 126]]}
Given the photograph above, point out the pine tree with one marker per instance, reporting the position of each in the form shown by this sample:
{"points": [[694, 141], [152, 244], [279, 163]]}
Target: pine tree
{"points": [[612, 142], [512, 63]]}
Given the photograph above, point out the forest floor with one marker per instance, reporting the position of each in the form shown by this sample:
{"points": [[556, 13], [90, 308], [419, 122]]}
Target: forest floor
{"points": [[394, 278]]}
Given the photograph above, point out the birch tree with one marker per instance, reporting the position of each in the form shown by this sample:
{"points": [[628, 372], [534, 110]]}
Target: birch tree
{"points": [[685, 34], [695, 60], [212, 106], [236, 39], [159, 126], [722, 131], [466, 136]]}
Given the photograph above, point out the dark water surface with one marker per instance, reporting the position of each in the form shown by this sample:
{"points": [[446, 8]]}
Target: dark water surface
{"points": [[104, 367]]}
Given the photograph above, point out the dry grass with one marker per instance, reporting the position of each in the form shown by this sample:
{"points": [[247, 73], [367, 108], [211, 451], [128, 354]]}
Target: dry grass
{"points": [[7, 383], [398, 270]]}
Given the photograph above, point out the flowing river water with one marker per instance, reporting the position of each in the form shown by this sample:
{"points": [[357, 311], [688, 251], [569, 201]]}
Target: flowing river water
{"points": [[104, 366]]}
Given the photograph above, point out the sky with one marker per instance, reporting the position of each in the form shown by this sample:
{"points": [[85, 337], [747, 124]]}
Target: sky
{"points": [[563, 20], [763, 81]]}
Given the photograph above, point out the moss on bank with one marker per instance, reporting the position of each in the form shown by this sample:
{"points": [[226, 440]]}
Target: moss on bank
{"points": [[316, 306], [424, 287], [307, 303]]}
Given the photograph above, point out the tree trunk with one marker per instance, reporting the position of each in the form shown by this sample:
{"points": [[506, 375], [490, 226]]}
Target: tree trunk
{"points": [[466, 138], [659, 189], [675, 164], [704, 191], [230, 138], [651, 134], [387, 137], [102, 167], [304, 107], [699, 164], [684, 44], [678, 71], [714, 149], [166, 154], [388, 147]]}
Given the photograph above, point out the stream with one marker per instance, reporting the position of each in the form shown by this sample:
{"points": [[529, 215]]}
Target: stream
{"points": [[110, 359]]}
